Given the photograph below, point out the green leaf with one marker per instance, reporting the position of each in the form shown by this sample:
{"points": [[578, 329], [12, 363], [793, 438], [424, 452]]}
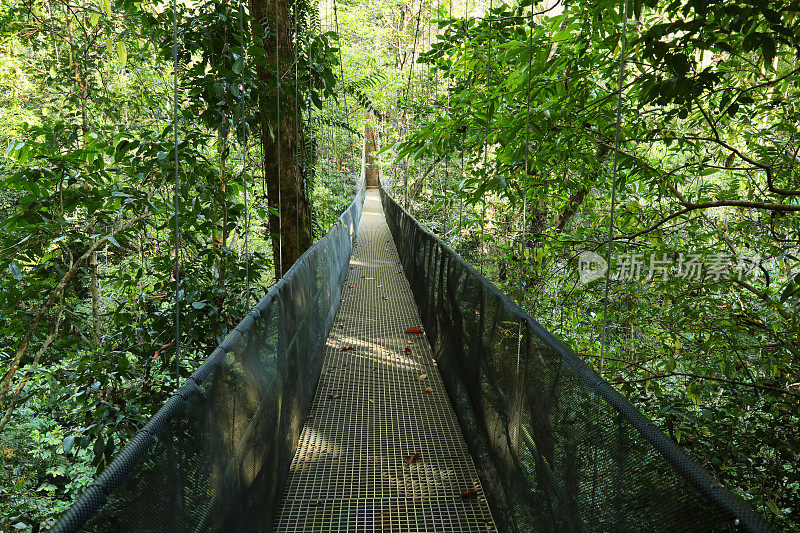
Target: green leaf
{"points": [[122, 53], [113, 241], [198, 305], [15, 272], [772, 507], [94, 18], [68, 443], [99, 446]]}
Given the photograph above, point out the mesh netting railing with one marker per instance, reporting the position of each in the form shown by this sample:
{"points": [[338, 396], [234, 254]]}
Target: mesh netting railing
{"points": [[215, 457], [557, 448]]}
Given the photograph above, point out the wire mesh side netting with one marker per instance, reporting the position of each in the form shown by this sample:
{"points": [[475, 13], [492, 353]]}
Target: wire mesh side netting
{"points": [[215, 457], [557, 448]]}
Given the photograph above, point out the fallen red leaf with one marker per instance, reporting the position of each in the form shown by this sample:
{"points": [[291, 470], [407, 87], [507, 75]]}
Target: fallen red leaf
{"points": [[351, 286], [423, 377], [412, 458], [428, 389], [469, 494], [407, 350], [347, 348], [413, 329], [158, 353]]}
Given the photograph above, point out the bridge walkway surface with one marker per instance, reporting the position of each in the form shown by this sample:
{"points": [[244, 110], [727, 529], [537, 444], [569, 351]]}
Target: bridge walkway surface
{"points": [[381, 449]]}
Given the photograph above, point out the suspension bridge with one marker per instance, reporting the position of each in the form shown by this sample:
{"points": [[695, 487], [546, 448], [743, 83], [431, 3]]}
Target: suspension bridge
{"points": [[384, 385]]}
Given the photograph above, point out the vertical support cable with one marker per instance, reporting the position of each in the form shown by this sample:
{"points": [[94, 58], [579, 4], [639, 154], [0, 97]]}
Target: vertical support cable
{"points": [[245, 143], [604, 340], [278, 140], [296, 131], [464, 142], [488, 129], [447, 116], [176, 192], [344, 91], [523, 262]]}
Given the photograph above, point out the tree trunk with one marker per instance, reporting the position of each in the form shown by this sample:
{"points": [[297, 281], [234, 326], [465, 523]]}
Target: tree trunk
{"points": [[285, 192], [371, 175]]}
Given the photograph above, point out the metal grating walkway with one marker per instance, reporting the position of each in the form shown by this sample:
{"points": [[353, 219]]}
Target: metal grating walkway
{"points": [[377, 406]]}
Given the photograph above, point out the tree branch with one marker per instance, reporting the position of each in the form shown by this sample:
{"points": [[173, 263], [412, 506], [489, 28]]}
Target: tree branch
{"points": [[47, 304]]}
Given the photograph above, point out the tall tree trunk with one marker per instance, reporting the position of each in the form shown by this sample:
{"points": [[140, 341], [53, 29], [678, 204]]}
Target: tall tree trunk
{"points": [[371, 177], [282, 174]]}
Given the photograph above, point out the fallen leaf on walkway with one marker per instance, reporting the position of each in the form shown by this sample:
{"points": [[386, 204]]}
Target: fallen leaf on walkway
{"points": [[310, 416], [406, 350], [412, 458], [331, 370], [413, 329], [347, 348], [423, 377], [428, 389], [469, 494], [351, 286], [335, 396], [371, 400], [409, 342]]}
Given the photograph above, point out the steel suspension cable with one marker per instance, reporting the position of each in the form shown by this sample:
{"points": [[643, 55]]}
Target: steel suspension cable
{"points": [[463, 144], [488, 129], [447, 115], [296, 132], [623, 44], [527, 162], [245, 145], [278, 140], [344, 90], [176, 193]]}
